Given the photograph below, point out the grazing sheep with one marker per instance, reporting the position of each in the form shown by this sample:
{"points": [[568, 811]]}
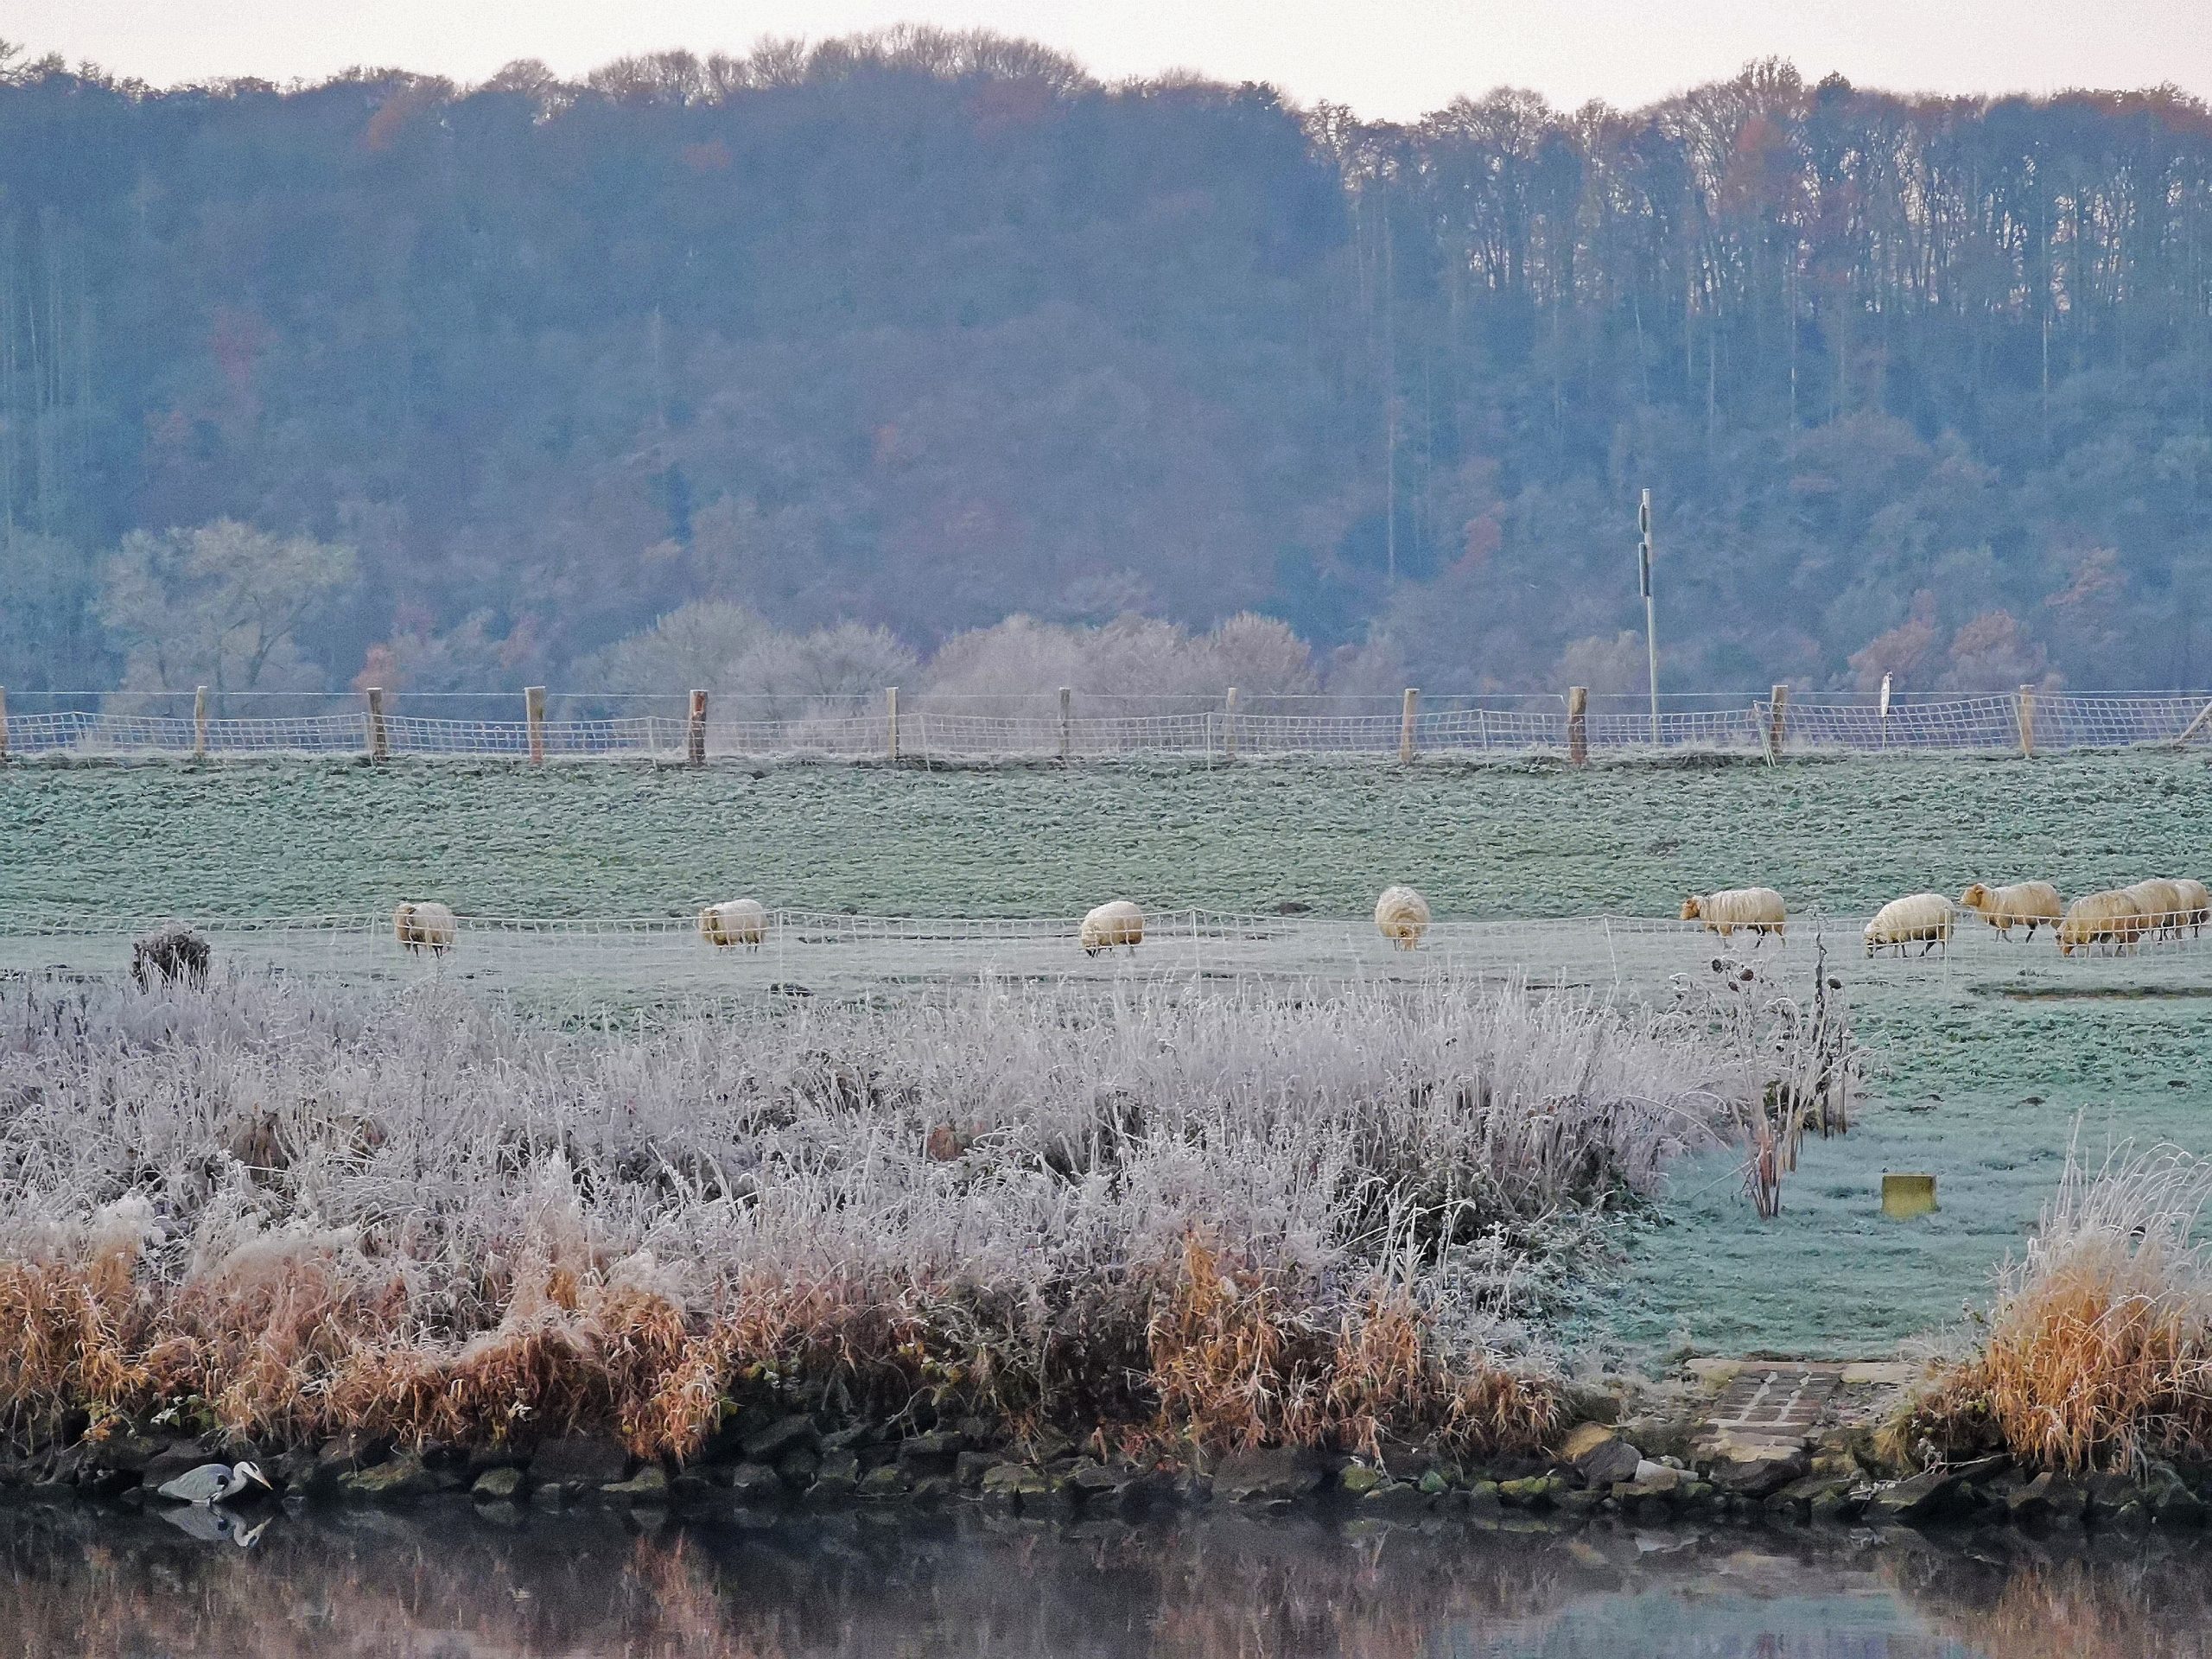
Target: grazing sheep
{"points": [[429, 924], [2160, 902], [2108, 918], [735, 921], [1922, 918], [1401, 917], [2195, 903], [2035, 903], [1118, 922], [1758, 909]]}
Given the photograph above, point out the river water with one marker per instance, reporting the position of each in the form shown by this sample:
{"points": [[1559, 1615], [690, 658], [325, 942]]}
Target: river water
{"points": [[448, 1583]]}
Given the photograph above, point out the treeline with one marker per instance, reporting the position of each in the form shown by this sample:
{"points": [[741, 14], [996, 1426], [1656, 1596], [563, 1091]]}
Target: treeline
{"points": [[917, 330]]}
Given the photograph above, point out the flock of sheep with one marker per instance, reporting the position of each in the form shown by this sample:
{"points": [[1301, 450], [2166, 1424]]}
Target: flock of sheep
{"points": [[2118, 917]]}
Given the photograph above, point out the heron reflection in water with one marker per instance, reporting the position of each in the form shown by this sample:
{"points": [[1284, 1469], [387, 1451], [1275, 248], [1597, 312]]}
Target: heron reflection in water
{"points": [[210, 1525], [210, 1482]]}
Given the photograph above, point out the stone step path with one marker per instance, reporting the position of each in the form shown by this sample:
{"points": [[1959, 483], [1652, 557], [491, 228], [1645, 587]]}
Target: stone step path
{"points": [[1780, 1403]]}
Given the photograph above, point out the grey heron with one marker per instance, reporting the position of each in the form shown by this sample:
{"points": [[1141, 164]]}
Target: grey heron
{"points": [[210, 1482]]}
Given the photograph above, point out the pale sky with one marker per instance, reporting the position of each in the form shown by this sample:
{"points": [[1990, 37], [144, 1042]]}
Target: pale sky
{"points": [[1385, 58]]}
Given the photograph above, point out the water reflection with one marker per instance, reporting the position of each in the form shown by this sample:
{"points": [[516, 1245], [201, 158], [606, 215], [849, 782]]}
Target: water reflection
{"points": [[447, 1582]]}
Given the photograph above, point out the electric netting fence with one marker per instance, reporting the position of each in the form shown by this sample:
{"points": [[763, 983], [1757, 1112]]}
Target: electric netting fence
{"points": [[803, 951]]}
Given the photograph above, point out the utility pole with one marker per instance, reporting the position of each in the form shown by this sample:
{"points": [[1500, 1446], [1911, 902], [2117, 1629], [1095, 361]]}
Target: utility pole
{"points": [[1644, 579]]}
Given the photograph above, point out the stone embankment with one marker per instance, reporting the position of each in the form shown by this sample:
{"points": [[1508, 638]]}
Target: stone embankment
{"points": [[1785, 1442]]}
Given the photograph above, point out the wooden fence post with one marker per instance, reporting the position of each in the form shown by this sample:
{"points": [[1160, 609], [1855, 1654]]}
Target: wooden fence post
{"points": [[695, 731], [533, 713], [1406, 725], [1228, 726], [1884, 707], [2027, 716], [1578, 725], [1777, 718], [1067, 725], [200, 722], [2189, 731], [891, 720], [379, 745], [4, 722]]}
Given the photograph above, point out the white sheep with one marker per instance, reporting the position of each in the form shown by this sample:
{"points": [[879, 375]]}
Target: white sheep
{"points": [[2108, 918], [1922, 918], [1758, 909], [427, 925], [2161, 904], [2195, 903], [1116, 922], [2034, 903], [735, 921], [1401, 917]]}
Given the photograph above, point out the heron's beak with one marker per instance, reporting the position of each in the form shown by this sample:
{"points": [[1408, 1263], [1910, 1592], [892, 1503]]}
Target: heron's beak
{"points": [[252, 1473]]}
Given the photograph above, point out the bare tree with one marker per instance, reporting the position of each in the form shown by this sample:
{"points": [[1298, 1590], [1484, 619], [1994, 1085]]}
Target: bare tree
{"points": [[220, 606]]}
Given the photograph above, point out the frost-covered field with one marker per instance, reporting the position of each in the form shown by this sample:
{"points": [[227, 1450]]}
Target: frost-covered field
{"points": [[1978, 1069], [1528, 840]]}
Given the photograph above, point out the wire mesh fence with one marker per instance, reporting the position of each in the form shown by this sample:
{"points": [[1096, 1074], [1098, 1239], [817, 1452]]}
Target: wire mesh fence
{"points": [[805, 952], [1067, 729]]}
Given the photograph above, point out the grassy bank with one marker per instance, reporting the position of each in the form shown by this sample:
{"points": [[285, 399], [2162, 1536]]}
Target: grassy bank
{"points": [[1158, 1218], [2097, 1352], [1977, 1088]]}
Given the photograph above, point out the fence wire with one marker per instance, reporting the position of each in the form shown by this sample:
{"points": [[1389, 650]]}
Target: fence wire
{"points": [[806, 952], [1690, 723]]}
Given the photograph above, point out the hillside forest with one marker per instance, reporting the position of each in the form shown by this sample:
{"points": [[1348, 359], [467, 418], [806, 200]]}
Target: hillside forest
{"points": [[927, 353]]}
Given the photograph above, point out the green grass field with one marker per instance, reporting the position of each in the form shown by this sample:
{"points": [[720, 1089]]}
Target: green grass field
{"points": [[1971, 1081]]}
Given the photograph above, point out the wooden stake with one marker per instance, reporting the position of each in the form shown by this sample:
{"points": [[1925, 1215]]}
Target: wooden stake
{"points": [[1067, 725], [533, 710], [1777, 718], [695, 731], [2027, 713], [1578, 725], [4, 722], [1406, 725], [890, 719], [200, 722], [2189, 731], [1228, 727], [379, 745]]}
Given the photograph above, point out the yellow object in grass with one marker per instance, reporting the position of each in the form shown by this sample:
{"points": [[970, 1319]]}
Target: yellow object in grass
{"points": [[1906, 1195]]}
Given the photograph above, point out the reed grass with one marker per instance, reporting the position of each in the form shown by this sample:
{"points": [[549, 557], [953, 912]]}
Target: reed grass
{"points": [[1160, 1215], [2097, 1353]]}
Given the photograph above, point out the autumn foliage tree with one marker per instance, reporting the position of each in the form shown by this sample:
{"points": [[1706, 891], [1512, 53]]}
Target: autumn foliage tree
{"points": [[922, 329]]}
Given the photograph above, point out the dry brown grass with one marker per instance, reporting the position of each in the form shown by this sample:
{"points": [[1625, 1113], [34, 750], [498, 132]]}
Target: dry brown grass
{"points": [[1238, 1361], [1234, 1358], [1259, 1217], [2098, 1352]]}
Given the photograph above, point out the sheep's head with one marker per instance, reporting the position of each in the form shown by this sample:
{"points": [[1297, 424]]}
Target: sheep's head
{"points": [[1976, 897], [1693, 908]]}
